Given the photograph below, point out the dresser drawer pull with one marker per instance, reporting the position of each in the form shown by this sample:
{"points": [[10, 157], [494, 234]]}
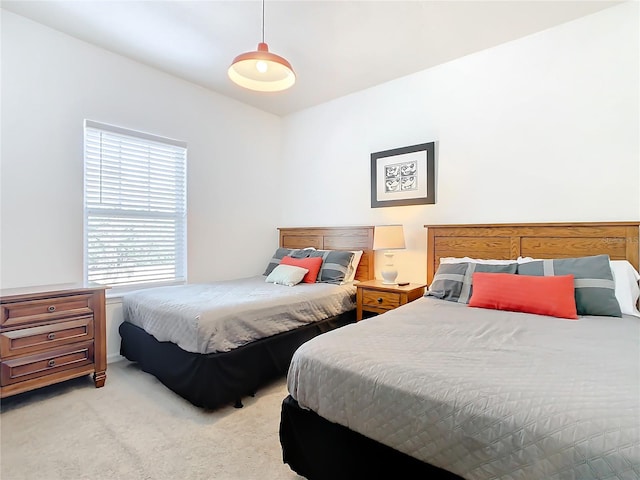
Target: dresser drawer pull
{"points": [[379, 300], [51, 336], [52, 363], [52, 308]]}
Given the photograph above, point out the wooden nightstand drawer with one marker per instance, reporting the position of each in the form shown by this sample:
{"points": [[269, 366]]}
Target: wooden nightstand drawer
{"points": [[33, 339], [385, 300], [375, 297], [33, 366]]}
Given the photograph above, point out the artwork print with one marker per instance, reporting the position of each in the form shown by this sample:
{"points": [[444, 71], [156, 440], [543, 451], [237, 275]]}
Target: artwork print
{"points": [[403, 176]]}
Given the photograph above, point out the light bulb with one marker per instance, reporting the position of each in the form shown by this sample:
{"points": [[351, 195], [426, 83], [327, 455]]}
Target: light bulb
{"points": [[261, 66]]}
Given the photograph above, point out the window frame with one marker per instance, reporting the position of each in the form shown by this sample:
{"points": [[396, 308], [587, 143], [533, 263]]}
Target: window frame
{"points": [[180, 264]]}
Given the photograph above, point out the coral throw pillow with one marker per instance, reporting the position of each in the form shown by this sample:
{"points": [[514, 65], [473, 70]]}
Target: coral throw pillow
{"points": [[312, 264], [552, 296]]}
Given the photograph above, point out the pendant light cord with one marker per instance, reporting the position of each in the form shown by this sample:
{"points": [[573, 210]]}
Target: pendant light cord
{"points": [[262, 21]]}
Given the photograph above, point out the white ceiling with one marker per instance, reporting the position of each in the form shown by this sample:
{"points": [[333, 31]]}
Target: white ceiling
{"points": [[335, 47]]}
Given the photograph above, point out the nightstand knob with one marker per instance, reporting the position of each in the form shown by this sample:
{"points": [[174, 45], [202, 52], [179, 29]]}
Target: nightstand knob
{"points": [[51, 336], [379, 300], [52, 363], [52, 308]]}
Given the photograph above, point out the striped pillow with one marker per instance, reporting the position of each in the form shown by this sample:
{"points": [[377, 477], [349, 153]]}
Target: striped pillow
{"points": [[335, 265], [275, 260], [454, 281], [594, 285]]}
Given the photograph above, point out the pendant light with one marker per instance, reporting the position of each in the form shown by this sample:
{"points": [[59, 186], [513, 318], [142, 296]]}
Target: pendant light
{"points": [[262, 70]]}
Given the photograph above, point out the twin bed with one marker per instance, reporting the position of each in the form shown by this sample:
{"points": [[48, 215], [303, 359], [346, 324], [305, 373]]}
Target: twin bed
{"points": [[216, 343], [439, 389]]}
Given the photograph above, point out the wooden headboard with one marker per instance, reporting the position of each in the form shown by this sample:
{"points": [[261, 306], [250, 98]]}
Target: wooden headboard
{"points": [[539, 240], [334, 238]]}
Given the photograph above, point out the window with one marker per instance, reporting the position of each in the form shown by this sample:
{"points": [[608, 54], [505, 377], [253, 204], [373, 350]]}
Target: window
{"points": [[134, 207]]}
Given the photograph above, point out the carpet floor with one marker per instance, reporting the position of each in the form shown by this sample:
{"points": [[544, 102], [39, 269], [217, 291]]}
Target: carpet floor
{"points": [[136, 428]]}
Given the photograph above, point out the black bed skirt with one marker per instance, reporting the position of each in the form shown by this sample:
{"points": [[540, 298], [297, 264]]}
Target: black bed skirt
{"points": [[321, 450], [215, 379]]}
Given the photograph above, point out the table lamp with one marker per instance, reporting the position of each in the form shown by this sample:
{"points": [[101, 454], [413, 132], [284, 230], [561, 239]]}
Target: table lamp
{"points": [[388, 237]]}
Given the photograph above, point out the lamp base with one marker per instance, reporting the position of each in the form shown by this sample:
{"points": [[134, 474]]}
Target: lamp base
{"points": [[389, 276], [389, 272]]}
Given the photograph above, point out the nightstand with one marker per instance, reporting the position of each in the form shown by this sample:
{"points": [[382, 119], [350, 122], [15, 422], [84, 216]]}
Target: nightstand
{"points": [[376, 297]]}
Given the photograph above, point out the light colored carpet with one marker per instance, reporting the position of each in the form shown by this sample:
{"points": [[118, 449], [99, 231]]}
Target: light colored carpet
{"points": [[136, 428]]}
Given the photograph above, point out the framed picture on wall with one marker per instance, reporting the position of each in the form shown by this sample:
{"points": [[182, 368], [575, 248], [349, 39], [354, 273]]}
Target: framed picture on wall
{"points": [[403, 176]]}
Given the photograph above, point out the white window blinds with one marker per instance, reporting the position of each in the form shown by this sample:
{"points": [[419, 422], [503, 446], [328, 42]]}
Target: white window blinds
{"points": [[135, 207]]}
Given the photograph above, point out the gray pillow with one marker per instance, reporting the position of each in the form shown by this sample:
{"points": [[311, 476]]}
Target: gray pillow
{"points": [[447, 282], [453, 281], [593, 280], [335, 265], [275, 260], [301, 253]]}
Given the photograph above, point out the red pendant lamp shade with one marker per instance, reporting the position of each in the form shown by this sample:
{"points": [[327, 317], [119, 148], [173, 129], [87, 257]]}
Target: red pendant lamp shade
{"points": [[262, 70]]}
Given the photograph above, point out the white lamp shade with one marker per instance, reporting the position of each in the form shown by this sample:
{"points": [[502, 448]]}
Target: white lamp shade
{"points": [[388, 237], [262, 71]]}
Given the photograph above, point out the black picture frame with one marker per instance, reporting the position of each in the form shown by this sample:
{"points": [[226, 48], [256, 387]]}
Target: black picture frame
{"points": [[403, 176]]}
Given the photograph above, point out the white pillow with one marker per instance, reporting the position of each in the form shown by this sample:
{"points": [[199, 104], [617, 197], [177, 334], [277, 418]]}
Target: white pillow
{"points": [[288, 275], [527, 259], [353, 266], [625, 280], [445, 260]]}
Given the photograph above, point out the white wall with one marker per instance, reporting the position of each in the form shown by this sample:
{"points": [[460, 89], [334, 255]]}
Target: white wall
{"points": [[541, 129], [51, 82]]}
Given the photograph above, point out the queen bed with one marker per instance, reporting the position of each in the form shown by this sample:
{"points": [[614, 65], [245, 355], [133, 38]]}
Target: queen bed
{"points": [[216, 343], [439, 389]]}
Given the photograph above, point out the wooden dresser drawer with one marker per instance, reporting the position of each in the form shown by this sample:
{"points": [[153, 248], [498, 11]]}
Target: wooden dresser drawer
{"points": [[43, 310], [384, 300], [43, 337], [47, 363]]}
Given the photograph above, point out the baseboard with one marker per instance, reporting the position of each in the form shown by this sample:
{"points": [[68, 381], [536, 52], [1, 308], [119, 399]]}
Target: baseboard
{"points": [[115, 357]]}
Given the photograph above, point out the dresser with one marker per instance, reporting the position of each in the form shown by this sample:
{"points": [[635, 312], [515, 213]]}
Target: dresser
{"points": [[50, 334]]}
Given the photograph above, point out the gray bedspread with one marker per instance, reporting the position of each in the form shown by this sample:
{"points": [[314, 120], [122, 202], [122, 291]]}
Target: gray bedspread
{"points": [[484, 394], [221, 316]]}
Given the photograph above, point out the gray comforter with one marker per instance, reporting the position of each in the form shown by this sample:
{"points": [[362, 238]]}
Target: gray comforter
{"points": [[484, 394], [221, 316]]}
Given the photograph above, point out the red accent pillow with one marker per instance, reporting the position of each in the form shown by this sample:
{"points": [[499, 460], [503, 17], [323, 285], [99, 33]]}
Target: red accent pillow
{"points": [[553, 296], [312, 264]]}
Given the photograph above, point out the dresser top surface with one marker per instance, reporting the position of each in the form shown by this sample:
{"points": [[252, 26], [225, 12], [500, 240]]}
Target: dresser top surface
{"points": [[13, 294]]}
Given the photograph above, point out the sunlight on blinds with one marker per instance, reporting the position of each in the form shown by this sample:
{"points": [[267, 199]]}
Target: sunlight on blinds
{"points": [[135, 207]]}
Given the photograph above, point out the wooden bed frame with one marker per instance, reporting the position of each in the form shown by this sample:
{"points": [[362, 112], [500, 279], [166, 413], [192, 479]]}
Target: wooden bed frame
{"points": [[538, 240], [214, 379], [334, 238], [319, 449]]}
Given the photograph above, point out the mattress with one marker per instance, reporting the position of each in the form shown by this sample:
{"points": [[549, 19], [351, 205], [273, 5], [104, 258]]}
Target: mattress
{"points": [[221, 316], [481, 393]]}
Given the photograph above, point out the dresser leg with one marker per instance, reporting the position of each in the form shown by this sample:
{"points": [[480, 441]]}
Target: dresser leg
{"points": [[99, 378]]}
